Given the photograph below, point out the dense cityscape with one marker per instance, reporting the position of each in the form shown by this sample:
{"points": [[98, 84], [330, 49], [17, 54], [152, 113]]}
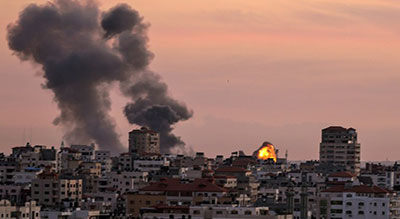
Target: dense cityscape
{"points": [[228, 112], [78, 181]]}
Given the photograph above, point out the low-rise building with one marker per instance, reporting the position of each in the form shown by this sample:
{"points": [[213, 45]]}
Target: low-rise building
{"points": [[355, 201], [176, 192], [150, 164], [28, 210], [87, 151], [222, 212]]}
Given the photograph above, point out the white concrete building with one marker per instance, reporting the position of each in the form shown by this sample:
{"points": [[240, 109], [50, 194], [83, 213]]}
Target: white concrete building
{"points": [[308, 177], [104, 201], [342, 177], [122, 182], [356, 201]]}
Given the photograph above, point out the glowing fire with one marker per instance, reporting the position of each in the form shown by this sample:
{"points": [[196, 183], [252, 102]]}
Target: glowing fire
{"points": [[267, 152]]}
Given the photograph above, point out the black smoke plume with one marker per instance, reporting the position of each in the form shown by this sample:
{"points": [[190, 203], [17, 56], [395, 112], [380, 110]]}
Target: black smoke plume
{"points": [[82, 52], [153, 107]]}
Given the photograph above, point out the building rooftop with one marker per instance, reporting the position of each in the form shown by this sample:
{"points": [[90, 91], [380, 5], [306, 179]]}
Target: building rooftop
{"points": [[224, 177], [336, 129], [243, 162], [357, 189], [143, 130], [231, 169], [342, 174], [176, 185]]}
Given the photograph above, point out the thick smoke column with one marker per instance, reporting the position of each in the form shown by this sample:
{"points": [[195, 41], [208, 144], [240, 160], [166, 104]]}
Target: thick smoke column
{"points": [[71, 41], [152, 107], [151, 104]]}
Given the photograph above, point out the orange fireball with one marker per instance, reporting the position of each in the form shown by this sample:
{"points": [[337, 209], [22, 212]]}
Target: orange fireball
{"points": [[267, 152]]}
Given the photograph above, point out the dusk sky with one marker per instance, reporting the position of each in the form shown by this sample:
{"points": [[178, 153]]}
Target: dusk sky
{"points": [[251, 71]]}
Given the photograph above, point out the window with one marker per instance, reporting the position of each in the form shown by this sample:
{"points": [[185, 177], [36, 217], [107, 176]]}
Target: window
{"points": [[361, 204], [247, 212], [361, 212], [218, 212], [336, 202], [336, 211], [349, 204], [196, 212], [348, 212], [234, 212]]}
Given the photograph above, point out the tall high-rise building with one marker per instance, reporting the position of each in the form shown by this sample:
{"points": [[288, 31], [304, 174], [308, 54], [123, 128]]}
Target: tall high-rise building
{"points": [[339, 148], [144, 140]]}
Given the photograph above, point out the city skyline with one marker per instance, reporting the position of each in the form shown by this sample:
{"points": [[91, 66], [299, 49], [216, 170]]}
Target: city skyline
{"points": [[249, 73], [224, 109]]}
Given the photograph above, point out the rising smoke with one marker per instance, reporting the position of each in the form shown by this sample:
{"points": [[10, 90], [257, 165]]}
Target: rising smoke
{"points": [[82, 53]]}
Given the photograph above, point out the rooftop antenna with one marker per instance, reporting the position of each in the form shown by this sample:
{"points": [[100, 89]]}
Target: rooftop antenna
{"points": [[23, 137], [30, 135]]}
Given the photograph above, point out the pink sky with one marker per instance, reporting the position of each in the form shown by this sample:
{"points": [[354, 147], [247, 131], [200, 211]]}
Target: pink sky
{"points": [[252, 71]]}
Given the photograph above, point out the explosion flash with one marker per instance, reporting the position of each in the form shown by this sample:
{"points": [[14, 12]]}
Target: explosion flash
{"points": [[267, 151]]}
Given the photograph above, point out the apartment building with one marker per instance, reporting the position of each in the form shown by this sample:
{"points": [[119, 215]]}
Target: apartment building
{"points": [[87, 151], [51, 190], [340, 147], [143, 141], [29, 210], [175, 192], [356, 201]]}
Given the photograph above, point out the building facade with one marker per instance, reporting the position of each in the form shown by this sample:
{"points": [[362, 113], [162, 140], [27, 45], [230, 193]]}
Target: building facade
{"points": [[356, 201], [339, 147], [50, 190], [143, 141]]}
